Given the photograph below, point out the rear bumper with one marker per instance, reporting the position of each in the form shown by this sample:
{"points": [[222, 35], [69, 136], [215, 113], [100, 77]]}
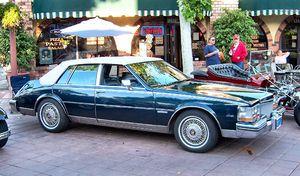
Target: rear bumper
{"points": [[4, 135], [13, 105], [252, 130]]}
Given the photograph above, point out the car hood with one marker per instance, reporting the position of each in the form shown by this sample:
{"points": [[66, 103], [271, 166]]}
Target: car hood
{"points": [[233, 93]]}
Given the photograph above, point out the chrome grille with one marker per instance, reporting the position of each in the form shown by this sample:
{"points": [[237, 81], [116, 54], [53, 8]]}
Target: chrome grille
{"points": [[266, 108]]}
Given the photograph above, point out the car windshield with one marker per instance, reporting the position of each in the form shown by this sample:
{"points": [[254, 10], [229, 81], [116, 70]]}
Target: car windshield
{"points": [[260, 62], [158, 73]]}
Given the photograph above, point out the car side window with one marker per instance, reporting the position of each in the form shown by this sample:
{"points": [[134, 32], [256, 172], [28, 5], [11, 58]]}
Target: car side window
{"points": [[114, 74], [84, 75], [66, 75]]}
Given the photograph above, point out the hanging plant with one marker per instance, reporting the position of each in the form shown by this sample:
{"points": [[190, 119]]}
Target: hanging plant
{"points": [[11, 16]]}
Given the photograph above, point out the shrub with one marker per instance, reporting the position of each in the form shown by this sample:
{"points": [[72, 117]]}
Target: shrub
{"points": [[230, 23], [26, 48]]}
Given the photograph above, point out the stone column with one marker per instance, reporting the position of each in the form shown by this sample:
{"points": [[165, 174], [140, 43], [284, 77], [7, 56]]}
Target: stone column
{"points": [[186, 46]]}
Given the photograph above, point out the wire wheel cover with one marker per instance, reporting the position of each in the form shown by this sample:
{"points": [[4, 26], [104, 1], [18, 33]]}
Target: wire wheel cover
{"points": [[193, 132], [49, 115]]}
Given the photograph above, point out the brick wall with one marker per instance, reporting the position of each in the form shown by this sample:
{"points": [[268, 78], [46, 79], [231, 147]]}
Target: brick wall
{"points": [[219, 6], [25, 7]]}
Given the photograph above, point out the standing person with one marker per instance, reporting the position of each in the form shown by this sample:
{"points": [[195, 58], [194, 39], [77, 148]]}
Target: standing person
{"points": [[281, 58], [211, 52], [238, 52]]}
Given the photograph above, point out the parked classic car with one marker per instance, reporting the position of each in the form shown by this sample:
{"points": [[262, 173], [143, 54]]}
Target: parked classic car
{"points": [[232, 73], [146, 94], [4, 131]]}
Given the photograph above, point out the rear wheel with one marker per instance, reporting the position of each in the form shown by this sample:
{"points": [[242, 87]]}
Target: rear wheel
{"points": [[52, 117], [195, 131], [3, 128]]}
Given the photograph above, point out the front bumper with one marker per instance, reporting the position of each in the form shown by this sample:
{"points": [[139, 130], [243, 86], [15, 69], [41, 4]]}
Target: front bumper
{"points": [[263, 126], [13, 105], [4, 135]]}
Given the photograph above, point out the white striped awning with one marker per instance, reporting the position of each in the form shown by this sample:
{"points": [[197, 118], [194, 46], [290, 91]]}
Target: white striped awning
{"points": [[80, 14], [268, 12]]}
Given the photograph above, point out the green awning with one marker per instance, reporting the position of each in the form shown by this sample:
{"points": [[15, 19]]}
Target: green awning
{"points": [[43, 9], [270, 7]]}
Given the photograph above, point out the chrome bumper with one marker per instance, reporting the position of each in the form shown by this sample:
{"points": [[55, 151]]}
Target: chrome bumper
{"points": [[13, 105], [4, 135], [252, 130]]}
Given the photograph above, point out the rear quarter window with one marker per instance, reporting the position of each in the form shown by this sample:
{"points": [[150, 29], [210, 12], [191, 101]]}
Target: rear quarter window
{"points": [[84, 75], [66, 75]]}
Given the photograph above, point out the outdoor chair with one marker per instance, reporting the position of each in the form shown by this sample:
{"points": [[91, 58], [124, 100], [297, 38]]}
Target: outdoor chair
{"points": [[17, 82]]}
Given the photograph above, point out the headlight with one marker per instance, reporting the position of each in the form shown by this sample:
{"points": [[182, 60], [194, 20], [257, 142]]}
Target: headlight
{"points": [[248, 114]]}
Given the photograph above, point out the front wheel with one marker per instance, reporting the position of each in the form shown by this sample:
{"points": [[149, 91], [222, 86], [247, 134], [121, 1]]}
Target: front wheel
{"points": [[52, 117], [3, 128], [195, 131], [297, 113]]}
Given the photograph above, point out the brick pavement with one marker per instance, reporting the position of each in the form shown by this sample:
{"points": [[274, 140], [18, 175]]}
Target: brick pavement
{"points": [[91, 150]]}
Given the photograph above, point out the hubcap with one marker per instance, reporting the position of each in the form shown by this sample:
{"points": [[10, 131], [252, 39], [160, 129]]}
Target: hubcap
{"points": [[49, 115], [193, 132]]}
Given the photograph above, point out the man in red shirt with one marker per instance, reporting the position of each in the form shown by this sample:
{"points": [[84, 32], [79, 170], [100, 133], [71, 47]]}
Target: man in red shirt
{"points": [[238, 52]]}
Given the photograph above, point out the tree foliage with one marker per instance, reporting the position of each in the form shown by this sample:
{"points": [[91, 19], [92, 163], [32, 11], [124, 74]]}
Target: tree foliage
{"points": [[11, 15], [193, 9], [230, 23], [11, 18], [26, 47]]}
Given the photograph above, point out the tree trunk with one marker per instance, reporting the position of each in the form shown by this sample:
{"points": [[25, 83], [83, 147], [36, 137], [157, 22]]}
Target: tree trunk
{"points": [[13, 52], [186, 46]]}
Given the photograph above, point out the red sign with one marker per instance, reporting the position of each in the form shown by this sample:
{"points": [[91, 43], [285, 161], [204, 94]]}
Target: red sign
{"points": [[154, 30]]}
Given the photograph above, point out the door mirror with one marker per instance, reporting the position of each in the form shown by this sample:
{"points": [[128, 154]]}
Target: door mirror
{"points": [[127, 83]]}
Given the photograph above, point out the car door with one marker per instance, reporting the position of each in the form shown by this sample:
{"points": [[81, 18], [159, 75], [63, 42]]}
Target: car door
{"points": [[76, 88], [119, 103]]}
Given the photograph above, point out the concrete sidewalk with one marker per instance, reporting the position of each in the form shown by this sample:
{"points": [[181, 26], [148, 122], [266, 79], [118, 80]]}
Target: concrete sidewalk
{"points": [[5, 94]]}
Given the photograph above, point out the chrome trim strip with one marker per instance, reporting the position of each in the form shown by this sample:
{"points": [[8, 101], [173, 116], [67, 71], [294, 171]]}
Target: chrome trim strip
{"points": [[99, 74], [68, 87], [161, 109], [5, 135], [83, 120], [229, 133], [27, 111], [134, 89], [74, 102], [128, 107], [121, 124], [162, 112], [252, 126]]}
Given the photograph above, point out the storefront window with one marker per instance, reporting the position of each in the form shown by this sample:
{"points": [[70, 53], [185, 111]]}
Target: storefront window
{"points": [[149, 41], [290, 41], [198, 43], [259, 42], [55, 47]]}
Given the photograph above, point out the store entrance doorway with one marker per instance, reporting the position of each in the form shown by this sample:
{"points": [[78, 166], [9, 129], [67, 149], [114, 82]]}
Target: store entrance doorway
{"points": [[173, 48]]}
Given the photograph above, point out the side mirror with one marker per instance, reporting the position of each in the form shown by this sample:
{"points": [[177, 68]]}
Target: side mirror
{"points": [[127, 83]]}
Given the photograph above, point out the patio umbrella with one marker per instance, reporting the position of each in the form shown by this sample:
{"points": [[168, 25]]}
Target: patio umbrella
{"points": [[95, 27]]}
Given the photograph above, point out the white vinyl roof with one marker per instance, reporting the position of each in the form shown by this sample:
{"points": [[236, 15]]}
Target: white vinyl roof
{"points": [[52, 76]]}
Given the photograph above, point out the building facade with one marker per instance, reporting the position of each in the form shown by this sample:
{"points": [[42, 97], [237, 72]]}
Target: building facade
{"points": [[278, 21]]}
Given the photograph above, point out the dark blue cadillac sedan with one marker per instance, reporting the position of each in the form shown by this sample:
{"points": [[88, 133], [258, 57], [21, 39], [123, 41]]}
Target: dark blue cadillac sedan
{"points": [[146, 94]]}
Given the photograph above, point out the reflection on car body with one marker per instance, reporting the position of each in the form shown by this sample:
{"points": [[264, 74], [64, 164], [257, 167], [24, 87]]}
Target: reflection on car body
{"points": [[146, 94]]}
